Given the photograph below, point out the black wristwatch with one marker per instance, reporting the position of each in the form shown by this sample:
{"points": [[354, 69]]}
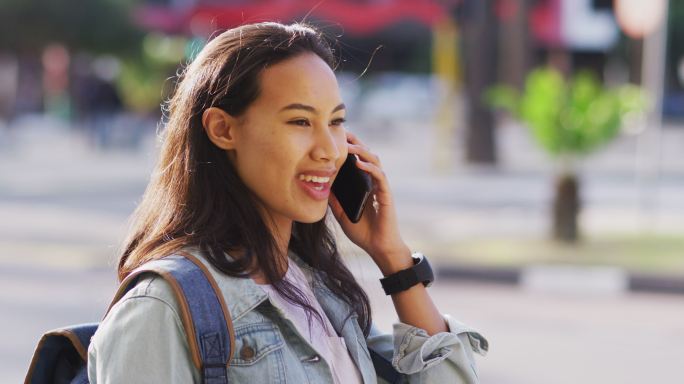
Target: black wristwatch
{"points": [[421, 272]]}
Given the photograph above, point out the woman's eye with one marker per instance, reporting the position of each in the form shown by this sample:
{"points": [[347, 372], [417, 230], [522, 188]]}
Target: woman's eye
{"points": [[300, 122], [339, 121]]}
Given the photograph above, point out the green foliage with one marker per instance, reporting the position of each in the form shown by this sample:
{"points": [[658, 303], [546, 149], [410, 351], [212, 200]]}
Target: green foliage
{"points": [[568, 118], [140, 86], [92, 25], [145, 81]]}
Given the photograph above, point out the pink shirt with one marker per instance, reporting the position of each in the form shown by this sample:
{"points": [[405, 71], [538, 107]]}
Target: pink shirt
{"points": [[321, 336]]}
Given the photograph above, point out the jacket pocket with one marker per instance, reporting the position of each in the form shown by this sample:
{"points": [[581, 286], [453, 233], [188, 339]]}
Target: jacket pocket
{"points": [[257, 357]]}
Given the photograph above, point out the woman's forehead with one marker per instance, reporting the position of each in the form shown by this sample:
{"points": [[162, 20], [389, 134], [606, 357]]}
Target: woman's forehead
{"points": [[304, 79]]}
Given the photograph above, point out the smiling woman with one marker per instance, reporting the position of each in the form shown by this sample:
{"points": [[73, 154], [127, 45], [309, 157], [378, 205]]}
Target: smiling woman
{"points": [[292, 131], [254, 140]]}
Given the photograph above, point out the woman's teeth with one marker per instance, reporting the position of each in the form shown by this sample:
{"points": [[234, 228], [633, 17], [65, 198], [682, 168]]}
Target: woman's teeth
{"points": [[315, 179], [318, 180]]}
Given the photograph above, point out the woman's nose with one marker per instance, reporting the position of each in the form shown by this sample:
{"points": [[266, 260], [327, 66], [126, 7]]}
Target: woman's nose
{"points": [[327, 146]]}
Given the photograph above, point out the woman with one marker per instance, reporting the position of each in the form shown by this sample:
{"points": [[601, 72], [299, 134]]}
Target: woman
{"points": [[254, 138]]}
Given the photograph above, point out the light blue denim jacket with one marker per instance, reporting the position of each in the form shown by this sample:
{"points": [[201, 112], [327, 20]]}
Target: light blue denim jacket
{"points": [[142, 340]]}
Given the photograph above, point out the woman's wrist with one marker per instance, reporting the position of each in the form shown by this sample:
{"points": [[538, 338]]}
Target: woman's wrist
{"points": [[394, 261]]}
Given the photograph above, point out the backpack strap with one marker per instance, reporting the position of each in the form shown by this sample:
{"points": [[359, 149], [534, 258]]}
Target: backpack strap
{"points": [[205, 316], [61, 353], [383, 368]]}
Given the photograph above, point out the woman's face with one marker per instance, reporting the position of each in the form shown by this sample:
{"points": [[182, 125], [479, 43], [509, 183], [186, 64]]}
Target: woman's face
{"points": [[290, 134]]}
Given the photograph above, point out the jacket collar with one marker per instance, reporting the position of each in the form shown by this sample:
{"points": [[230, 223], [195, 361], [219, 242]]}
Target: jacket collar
{"points": [[243, 294]]}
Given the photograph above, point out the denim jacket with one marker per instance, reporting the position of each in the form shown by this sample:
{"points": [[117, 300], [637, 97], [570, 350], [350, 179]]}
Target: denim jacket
{"points": [[142, 340]]}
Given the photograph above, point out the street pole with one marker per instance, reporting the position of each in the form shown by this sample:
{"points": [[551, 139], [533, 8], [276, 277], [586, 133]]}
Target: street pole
{"points": [[649, 146], [445, 66]]}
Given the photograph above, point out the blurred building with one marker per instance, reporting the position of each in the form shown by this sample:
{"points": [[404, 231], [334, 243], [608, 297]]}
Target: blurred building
{"points": [[403, 27], [473, 44]]}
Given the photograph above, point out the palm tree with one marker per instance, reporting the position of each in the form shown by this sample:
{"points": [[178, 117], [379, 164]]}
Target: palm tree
{"points": [[569, 120]]}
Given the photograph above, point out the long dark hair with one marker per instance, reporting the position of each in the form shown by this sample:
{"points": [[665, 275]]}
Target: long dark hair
{"points": [[196, 198]]}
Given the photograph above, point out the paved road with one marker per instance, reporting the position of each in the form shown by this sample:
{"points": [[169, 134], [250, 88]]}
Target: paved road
{"points": [[535, 338]]}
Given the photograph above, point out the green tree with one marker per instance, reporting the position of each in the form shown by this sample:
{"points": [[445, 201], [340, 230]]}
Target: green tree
{"points": [[569, 120]]}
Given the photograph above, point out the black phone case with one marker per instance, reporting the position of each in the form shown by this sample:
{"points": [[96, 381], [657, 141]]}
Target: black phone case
{"points": [[352, 186]]}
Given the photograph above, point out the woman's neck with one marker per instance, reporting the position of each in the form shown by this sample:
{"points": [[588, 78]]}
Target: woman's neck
{"points": [[281, 230]]}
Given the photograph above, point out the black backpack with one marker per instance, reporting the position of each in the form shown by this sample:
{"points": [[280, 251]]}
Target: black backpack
{"points": [[62, 354]]}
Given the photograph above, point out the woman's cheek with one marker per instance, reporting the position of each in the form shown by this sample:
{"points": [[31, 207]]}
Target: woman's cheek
{"points": [[342, 144]]}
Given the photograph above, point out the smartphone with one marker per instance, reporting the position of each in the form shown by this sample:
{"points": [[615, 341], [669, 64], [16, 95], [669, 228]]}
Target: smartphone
{"points": [[352, 187]]}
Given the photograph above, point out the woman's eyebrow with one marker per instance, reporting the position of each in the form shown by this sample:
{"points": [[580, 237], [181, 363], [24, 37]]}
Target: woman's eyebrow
{"points": [[309, 108]]}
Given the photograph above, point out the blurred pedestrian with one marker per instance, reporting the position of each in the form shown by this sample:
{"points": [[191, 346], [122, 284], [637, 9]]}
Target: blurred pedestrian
{"points": [[104, 105], [254, 139]]}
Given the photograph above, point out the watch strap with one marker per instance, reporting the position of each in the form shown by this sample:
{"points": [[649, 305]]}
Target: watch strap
{"points": [[420, 272]]}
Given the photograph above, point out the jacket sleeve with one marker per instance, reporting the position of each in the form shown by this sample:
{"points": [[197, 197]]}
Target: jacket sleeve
{"points": [[141, 340], [445, 357]]}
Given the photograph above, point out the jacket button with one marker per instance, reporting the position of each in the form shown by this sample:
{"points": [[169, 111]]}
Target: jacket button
{"points": [[313, 359], [247, 352]]}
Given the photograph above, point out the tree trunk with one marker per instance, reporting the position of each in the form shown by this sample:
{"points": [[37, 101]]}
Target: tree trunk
{"points": [[514, 44], [479, 42], [566, 207]]}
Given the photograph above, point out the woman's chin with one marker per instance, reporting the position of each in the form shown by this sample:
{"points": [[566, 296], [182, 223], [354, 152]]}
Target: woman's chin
{"points": [[312, 217]]}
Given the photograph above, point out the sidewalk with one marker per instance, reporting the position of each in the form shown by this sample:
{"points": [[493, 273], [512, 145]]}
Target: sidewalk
{"points": [[67, 205]]}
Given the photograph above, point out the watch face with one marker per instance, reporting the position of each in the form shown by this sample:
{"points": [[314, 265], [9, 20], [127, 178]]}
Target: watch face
{"points": [[423, 270]]}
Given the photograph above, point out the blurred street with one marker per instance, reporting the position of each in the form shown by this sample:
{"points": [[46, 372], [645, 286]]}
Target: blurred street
{"points": [[540, 338], [59, 195], [64, 208], [534, 338]]}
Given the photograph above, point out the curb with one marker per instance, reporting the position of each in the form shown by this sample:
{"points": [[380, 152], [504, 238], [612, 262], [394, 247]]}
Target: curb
{"points": [[565, 278], [658, 284]]}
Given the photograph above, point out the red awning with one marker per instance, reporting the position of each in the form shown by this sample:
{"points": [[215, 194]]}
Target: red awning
{"points": [[353, 17]]}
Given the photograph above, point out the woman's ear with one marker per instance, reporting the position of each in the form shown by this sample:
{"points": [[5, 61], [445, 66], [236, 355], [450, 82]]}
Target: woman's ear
{"points": [[220, 127]]}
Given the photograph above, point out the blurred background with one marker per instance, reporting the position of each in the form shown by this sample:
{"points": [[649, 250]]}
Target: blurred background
{"points": [[535, 148]]}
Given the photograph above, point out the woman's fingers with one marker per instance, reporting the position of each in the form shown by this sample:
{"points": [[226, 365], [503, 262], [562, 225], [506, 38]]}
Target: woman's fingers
{"points": [[356, 146], [381, 184], [352, 138], [369, 162], [365, 154]]}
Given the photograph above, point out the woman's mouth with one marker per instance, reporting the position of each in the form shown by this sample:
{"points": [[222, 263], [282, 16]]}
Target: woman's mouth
{"points": [[317, 187]]}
